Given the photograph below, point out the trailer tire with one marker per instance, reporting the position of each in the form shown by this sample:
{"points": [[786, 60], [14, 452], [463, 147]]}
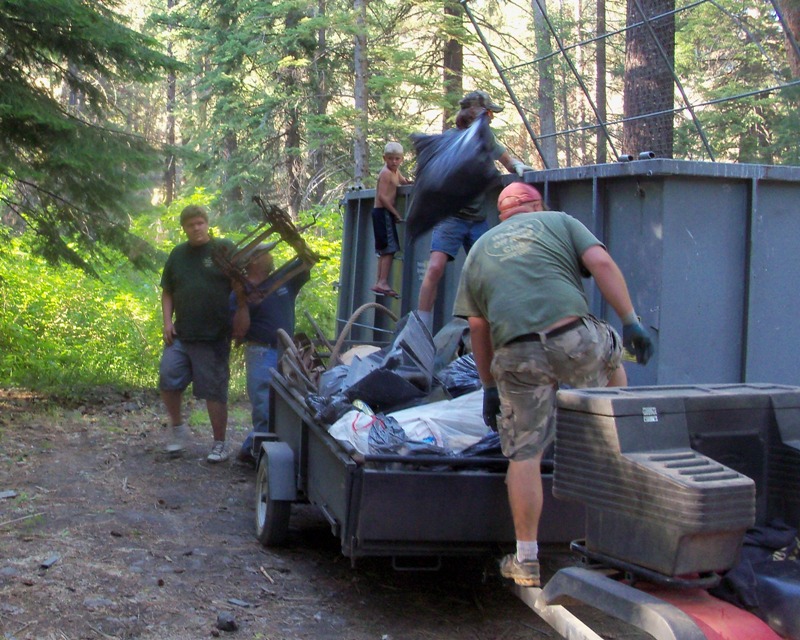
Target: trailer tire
{"points": [[272, 516]]}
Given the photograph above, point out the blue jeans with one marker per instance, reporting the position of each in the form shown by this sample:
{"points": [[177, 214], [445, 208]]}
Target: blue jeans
{"points": [[452, 233], [259, 361]]}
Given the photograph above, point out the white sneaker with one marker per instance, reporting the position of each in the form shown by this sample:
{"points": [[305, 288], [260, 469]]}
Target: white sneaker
{"points": [[177, 440], [219, 452]]}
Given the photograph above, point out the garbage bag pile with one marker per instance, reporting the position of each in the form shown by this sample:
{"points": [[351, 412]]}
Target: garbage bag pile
{"points": [[392, 402]]}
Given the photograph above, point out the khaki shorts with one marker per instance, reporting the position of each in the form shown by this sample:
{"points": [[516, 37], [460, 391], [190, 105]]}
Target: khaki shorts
{"points": [[528, 375]]}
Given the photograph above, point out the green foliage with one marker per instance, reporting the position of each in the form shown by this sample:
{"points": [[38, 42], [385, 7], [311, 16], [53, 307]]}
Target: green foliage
{"points": [[319, 296], [62, 330]]}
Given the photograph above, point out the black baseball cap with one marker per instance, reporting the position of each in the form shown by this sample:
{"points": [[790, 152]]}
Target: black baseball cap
{"points": [[481, 99]]}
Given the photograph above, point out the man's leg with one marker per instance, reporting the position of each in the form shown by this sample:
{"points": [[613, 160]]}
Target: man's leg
{"points": [[619, 378], [430, 284], [525, 496], [172, 403], [218, 415]]}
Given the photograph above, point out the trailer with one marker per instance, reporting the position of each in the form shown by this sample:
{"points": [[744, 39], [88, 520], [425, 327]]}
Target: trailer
{"points": [[421, 506]]}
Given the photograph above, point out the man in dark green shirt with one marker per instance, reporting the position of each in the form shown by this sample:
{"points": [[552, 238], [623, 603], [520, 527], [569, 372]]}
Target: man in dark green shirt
{"points": [[197, 331]]}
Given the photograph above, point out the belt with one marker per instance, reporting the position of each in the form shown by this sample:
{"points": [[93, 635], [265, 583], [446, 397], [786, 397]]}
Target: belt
{"points": [[537, 337]]}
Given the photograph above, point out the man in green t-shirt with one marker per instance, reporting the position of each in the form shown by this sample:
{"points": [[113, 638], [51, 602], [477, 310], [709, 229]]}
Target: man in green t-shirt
{"points": [[197, 331], [531, 330]]}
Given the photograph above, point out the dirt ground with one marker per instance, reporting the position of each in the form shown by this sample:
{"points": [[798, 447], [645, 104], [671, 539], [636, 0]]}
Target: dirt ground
{"points": [[103, 536]]}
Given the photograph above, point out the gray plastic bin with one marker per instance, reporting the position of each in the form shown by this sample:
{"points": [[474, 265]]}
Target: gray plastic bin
{"points": [[650, 499]]}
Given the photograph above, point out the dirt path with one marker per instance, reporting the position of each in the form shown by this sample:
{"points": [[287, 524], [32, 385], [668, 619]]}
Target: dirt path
{"points": [[102, 536]]}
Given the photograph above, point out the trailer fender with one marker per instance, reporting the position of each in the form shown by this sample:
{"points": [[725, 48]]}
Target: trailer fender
{"points": [[279, 458]]}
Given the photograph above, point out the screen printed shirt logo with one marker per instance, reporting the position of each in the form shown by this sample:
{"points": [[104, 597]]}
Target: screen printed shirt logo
{"points": [[515, 241]]}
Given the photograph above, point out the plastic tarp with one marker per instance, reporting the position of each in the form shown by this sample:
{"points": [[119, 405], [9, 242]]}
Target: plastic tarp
{"points": [[449, 426]]}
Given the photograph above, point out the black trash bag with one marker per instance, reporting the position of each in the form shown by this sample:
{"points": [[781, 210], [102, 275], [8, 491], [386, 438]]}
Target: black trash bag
{"points": [[453, 168], [766, 580], [488, 445], [328, 410], [386, 436], [397, 375], [451, 341], [332, 381], [460, 376]]}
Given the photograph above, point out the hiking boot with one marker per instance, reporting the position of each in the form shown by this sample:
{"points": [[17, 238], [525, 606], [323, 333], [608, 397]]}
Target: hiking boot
{"points": [[525, 574], [178, 438], [219, 452]]}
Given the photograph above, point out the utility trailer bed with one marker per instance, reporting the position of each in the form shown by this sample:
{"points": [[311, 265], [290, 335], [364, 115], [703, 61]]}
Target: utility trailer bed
{"points": [[387, 505]]}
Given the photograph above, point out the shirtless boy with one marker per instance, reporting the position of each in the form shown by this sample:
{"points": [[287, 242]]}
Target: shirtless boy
{"points": [[385, 216]]}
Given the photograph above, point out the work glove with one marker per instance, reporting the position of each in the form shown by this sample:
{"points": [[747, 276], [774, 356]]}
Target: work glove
{"points": [[520, 168], [637, 342], [491, 407]]}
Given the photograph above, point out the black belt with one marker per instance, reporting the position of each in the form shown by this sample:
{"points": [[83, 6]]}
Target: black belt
{"points": [[537, 337]]}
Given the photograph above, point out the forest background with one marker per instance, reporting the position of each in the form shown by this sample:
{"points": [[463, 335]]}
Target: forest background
{"points": [[116, 115]]}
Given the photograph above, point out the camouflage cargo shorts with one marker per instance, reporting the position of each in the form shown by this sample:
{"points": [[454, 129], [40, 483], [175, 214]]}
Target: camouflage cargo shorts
{"points": [[528, 375]]}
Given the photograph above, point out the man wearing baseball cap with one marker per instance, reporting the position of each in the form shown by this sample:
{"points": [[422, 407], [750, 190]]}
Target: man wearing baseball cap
{"points": [[469, 223], [481, 99], [522, 294]]}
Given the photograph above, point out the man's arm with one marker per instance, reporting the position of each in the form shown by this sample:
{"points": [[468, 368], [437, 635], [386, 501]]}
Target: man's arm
{"points": [[609, 279], [241, 316], [612, 285], [513, 165], [167, 307], [482, 350]]}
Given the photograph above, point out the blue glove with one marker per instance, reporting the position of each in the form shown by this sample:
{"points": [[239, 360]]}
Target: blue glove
{"points": [[637, 342], [491, 407]]}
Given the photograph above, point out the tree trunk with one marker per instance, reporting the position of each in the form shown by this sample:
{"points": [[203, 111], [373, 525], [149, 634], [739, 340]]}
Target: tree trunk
{"points": [[790, 9], [600, 90], [360, 150], [453, 78], [648, 79], [546, 92], [292, 79], [170, 172], [319, 85]]}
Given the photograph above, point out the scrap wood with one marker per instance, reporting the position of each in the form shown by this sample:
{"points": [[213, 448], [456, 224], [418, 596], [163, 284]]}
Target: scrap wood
{"points": [[266, 575]]}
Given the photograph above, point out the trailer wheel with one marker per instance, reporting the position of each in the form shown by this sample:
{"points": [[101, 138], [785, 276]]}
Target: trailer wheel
{"points": [[272, 516]]}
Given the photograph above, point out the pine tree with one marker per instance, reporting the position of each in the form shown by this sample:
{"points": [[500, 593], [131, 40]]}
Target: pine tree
{"points": [[67, 171]]}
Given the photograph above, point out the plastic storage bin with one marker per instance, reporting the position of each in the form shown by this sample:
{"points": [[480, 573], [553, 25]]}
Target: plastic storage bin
{"points": [[651, 500]]}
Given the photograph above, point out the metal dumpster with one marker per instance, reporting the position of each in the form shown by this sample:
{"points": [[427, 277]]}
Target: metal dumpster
{"points": [[708, 250]]}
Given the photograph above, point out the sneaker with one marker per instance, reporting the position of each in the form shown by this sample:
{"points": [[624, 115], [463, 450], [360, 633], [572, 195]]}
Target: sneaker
{"points": [[219, 452], [177, 440], [525, 574]]}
